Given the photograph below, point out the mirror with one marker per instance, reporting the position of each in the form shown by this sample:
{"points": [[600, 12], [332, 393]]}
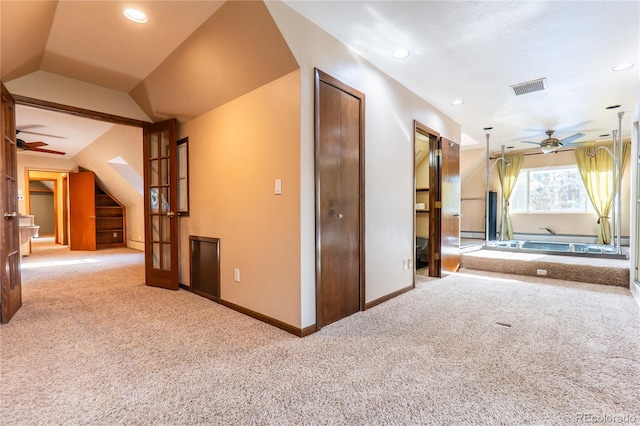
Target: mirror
{"points": [[183, 177]]}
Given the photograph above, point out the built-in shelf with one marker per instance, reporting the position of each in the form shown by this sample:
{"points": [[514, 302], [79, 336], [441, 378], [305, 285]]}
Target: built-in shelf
{"points": [[110, 220]]}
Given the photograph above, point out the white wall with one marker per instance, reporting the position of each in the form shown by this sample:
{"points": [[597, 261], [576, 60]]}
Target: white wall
{"points": [[39, 162], [124, 142], [473, 186], [389, 152]]}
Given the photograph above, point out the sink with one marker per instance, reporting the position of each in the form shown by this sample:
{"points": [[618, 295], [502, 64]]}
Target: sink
{"points": [[27, 227], [26, 232]]}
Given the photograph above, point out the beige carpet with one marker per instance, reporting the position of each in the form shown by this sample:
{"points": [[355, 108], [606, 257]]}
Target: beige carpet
{"points": [[93, 346]]}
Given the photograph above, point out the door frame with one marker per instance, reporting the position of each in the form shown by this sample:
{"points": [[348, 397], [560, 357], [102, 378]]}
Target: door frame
{"points": [[60, 199], [320, 76], [434, 188]]}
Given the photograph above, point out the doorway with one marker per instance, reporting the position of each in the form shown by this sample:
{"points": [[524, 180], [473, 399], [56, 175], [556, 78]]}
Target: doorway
{"points": [[339, 148], [44, 186], [437, 202]]}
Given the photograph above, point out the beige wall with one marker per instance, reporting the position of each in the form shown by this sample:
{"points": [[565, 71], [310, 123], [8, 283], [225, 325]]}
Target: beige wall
{"points": [[473, 185], [236, 152]]}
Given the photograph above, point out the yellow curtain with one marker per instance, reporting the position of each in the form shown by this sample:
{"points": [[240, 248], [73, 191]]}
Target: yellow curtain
{"points": [[597, 177], [513, 163]]}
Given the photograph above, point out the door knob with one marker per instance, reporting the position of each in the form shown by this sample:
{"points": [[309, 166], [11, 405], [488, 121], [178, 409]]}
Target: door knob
{"points": [[457, 215], [170, 213], [10, 215], [339, 215]]}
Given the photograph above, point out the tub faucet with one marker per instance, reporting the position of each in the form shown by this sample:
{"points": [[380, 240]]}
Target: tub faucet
{"points": [[549, 230]]}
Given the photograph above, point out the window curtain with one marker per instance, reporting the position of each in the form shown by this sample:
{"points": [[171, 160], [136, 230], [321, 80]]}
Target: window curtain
{"points": [[597, 178], [512, 166]]}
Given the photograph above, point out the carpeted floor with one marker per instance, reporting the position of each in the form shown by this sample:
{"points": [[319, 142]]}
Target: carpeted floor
{"points": [[93, 346]]}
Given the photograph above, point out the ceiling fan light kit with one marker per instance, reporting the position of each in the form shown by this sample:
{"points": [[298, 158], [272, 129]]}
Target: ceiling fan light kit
{"points": [[551, 144]]}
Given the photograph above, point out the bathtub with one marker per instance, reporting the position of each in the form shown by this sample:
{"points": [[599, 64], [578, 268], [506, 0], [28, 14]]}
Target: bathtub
{"points": [[558, 248]]}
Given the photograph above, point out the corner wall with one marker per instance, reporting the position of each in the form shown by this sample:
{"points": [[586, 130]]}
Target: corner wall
{"points": [[236, 152], [389, 154]]}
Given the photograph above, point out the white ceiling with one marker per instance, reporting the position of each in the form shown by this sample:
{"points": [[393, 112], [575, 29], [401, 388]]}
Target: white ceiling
{"points": [[475, 51], [468, 50]]}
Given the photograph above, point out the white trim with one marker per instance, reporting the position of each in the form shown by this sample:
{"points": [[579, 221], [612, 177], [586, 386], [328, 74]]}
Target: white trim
{"points": [[635, 291]]}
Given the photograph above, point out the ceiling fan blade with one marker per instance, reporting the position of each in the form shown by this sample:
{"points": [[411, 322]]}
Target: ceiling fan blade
{"points": [[39, 134], [47, 151], [571, 138], [36, 144], [535, 143]]}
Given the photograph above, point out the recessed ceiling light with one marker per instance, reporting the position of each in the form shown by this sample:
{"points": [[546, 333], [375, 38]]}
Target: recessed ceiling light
{"points": [[457, 102], [613, 107], [400, 54], [136, 15], [622, 67]]}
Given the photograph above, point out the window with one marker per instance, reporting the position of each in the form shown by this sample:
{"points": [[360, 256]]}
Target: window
{"points": [[550, 190]]}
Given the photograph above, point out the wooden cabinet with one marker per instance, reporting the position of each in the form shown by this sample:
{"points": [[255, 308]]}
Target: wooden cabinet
{"points": [[97, 218], [110, 220]]}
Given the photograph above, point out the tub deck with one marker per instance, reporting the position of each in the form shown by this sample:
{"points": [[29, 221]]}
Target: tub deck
{"points": [[596, 270]]}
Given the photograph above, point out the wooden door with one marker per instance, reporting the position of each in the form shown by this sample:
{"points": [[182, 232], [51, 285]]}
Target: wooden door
{"points": [[82, 211], [435, 203], [339, 200], [10, 286], [161, 204], [450, 211]]}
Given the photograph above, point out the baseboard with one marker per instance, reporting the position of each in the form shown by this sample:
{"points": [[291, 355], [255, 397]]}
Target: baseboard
{"points": [[389, 296], [300, 332], [267, 319], [136, 245]]}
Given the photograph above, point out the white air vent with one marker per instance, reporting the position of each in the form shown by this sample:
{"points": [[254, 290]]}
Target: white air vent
{"points": [[530, 86]]}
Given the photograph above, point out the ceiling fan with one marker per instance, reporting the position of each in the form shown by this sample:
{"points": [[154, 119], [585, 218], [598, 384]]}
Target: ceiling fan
{"points": [[551, 144], [35, 146]]}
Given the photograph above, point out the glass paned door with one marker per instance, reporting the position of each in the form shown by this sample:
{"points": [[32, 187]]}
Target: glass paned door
{"points": [[161, 220]]}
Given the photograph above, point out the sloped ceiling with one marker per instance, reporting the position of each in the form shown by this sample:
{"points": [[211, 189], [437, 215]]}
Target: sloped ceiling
{"points": [[189, 59], [234, 52], [191, 56]]}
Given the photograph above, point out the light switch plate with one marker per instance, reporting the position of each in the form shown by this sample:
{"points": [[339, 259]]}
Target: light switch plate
{"points": [[278, 186]]}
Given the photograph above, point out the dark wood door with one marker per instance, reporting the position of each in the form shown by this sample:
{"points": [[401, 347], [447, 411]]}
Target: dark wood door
{"points": [[161, 204], [435, 206], [339, 200], [450, 211], [10, 287], [82, 211]]}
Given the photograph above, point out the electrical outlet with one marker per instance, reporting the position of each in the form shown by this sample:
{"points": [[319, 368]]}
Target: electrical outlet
{"points": [[541, 272], [236, 275], [115, 235]]}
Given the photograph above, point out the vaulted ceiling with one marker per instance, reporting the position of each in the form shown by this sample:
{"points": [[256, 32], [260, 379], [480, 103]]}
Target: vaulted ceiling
{"points": [[190, 57], [195, 55]]}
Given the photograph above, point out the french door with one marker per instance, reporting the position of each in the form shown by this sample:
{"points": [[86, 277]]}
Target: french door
{"points": [[10, 284], [161, 204]]}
